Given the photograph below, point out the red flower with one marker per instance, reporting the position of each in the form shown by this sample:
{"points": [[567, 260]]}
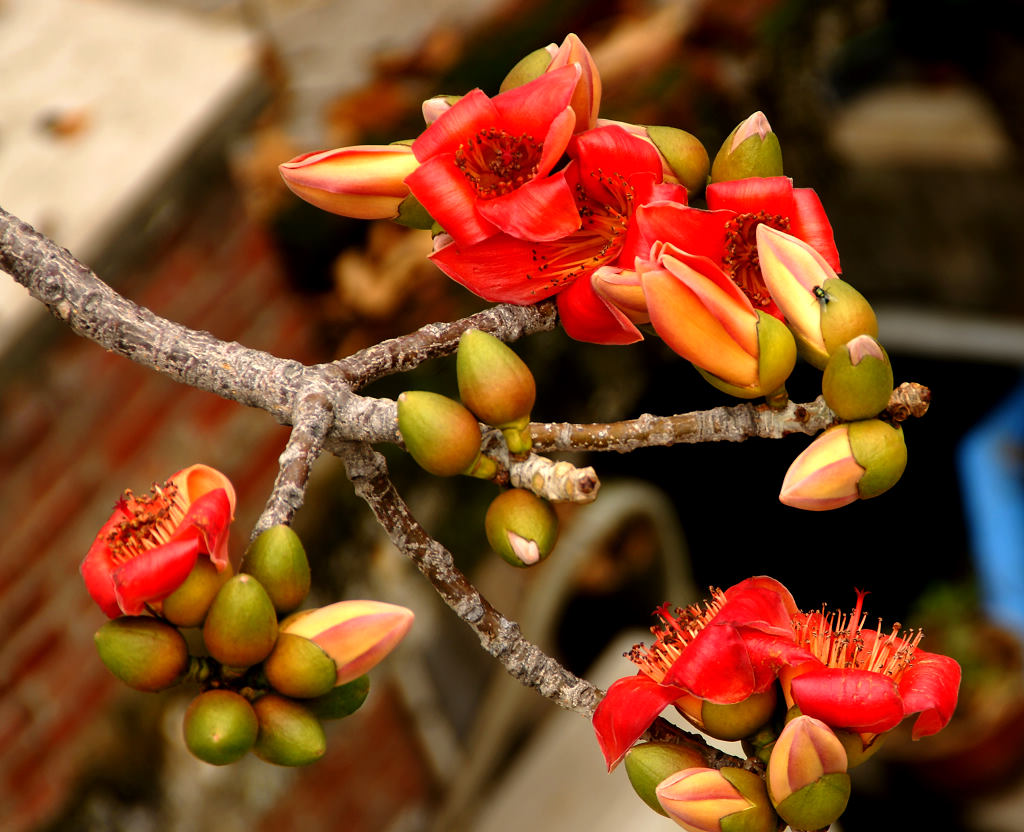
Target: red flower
{"points": [[725, 652], [726, 232], [150, 543], [867, 682], [485, 162], [610, 174]]}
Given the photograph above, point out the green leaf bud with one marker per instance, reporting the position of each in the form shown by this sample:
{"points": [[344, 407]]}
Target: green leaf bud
{"points": [[220, 726], [684, 154]]}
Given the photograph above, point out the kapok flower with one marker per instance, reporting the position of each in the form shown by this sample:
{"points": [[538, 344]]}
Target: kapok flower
{"points": [[712, 800], [724, 652], [150, 543], [727, 232], [867, 681], [366, 182], [708, 320], [610, 174], [356, 634], [484, 163]]}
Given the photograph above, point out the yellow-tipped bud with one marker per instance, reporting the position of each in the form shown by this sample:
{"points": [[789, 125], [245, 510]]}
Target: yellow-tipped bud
{"points": [[649, 763], [143, 652], [289, 734], [751, 149], [717, 800], [220, 726], [277, 559], [357, 635], [847, 462], [442, 435], [521, 527], [188, 604], [299, 668], [807, 778], [857, 381], [241, 626]]}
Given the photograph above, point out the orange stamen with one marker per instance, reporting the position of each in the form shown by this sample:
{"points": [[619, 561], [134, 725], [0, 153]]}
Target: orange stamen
{"points": [[676, 631]]}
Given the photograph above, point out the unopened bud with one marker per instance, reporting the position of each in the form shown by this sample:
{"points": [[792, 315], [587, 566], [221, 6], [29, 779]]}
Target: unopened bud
{"points": [[857, 381], [496, 385], [356, 634], [751, 149], [241, 626], [289, 733], [299, 668], [342, 700], [220, 726], [277, 559], [143, 652], [649, 763], [442, 435], [529, 68], [188, 604], [684, 154], [733, 721], [717, 800], [521, 527], [807, 778]]}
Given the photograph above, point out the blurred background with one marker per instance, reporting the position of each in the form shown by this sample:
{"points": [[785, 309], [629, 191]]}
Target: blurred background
{"points": [[145, 137]]}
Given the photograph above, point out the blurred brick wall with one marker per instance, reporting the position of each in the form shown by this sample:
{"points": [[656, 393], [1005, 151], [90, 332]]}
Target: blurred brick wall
{"points": [[77, 427]]}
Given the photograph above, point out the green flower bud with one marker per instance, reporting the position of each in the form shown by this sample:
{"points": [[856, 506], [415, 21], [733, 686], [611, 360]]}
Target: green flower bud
{"points": [[684, 154], [521, 527], [299, 668], [241, 626], [188, 604], [278, 561], [651, 762], [737, 720], [717, 800], [856, 751], [807, 778], [751, 149], [289, 733], [845, 314], [776, 359], [527, 69], [857, 381], [497, 386], [143, 652], [340, 701], [220, 726], [441, 434], [880, 450]]}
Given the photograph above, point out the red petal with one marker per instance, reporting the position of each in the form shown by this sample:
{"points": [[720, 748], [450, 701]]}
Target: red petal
{"points": [[588, 317], [770, 584], [97, 567], [689, 229], [209, 520], [930, 686], [450, 199], [715, 666], [154, 575], [627, 710], [467, 117], [531, 108], [860, 700], [606, 150], [810, 224], [773, 194], [543, 209], [500, 269]]}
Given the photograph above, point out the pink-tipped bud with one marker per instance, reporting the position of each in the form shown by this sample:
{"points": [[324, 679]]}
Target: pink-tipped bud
{"points": [[807, 778], [521, 527], [712, 800], [751, 149], [366, 182], [649, 763], [857, 381], [847, 462], [357, 635]]}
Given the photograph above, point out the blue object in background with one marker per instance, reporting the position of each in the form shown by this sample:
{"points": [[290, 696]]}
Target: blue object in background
{"points": [[991, 463]]}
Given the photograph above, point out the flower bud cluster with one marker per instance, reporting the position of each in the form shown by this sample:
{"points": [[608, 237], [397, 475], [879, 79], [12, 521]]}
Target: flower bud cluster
{"points": [[267, 674], [443, 436]]}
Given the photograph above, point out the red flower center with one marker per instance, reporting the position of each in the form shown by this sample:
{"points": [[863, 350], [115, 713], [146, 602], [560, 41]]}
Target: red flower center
{"points": [[741, 262], [151, 521], [596, 243], [838, 641], [497, 163], [676, 631]]}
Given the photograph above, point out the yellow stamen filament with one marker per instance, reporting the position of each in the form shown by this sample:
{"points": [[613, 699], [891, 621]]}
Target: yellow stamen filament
{"points": [[676, 631], [151, 522]]}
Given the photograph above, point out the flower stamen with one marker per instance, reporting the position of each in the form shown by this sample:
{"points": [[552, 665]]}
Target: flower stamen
{"points": [[496, 163], [741, 261], [676, 630], [152, 520]]}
